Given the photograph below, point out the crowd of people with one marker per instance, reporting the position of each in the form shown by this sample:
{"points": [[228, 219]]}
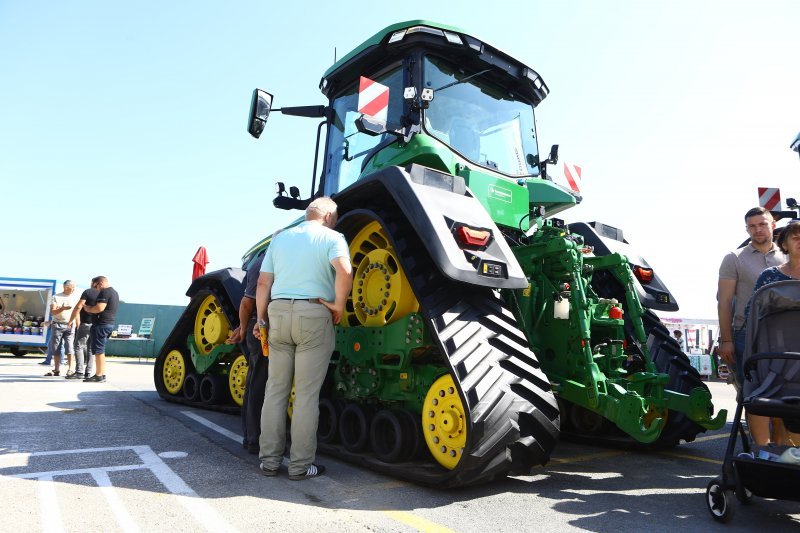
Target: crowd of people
{"points": [[741, 273], [80, 325]]}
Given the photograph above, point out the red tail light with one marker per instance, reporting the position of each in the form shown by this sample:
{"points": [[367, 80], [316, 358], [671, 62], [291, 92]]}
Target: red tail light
{"points": [[473, 237], [645, 275], [615, 312]]}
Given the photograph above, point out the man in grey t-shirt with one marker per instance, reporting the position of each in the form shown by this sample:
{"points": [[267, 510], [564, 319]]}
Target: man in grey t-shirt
{"points": [[737, 277]]}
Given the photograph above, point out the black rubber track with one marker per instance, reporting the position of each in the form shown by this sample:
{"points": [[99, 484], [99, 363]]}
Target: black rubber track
{"points": [[513, 421], [668, 359]]}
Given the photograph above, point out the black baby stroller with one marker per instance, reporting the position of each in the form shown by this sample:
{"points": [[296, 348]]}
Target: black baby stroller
{"points": [[771, 388]]}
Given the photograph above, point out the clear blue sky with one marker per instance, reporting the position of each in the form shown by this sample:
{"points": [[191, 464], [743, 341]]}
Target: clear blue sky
{"points": [[123, 145]]}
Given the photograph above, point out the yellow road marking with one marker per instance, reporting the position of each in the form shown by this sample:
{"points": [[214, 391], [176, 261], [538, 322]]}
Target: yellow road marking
{"points": [[693, 457], [711, 437], [587, 457], [417, 522]]}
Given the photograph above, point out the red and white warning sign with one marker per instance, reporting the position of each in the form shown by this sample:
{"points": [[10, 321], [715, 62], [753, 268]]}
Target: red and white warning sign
{"points": [[573, 175], [770, 198], [373, 99]]}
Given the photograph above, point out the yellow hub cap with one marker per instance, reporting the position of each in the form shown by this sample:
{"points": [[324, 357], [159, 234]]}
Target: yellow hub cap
{"points": [[174, 372], [290, 408], [381, 292], [444, 422], [653, 413], [237, 379], [211, 326]]}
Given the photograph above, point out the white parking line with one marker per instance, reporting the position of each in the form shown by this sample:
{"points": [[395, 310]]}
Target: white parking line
{"points": [[205, 515], [48, 503], [211, 425], [124, 518]]}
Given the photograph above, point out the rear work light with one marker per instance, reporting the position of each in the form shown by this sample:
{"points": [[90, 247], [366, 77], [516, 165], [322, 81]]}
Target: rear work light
{"points": [[644, 275], [473, 238]]}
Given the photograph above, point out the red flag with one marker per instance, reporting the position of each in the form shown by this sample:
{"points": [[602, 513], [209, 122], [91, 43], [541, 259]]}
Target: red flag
{"points": [[200, 261]]}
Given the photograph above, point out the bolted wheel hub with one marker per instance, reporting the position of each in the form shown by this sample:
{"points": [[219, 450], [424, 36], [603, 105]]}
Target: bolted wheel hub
{"points": [[211, 326], [237, 379], [444, 422], [381, 292], [174, 372]]}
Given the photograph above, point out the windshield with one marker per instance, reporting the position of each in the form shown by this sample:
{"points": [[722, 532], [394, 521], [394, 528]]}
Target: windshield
{"points": [[483, 122], [347, 147]]}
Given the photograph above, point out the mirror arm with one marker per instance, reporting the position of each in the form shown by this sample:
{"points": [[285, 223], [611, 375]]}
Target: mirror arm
{"points": [[316, 158]]}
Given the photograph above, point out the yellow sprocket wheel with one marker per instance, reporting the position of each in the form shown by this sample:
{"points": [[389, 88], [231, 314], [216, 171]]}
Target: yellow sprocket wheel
{"points": [[174, 372], [211, 326], [237, 379], [444, 422], [381, 292]]}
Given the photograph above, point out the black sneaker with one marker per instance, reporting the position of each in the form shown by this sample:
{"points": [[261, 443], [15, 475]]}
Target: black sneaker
{"points": [[266, 471], [313, 471], [74, 375], [96, 379]]}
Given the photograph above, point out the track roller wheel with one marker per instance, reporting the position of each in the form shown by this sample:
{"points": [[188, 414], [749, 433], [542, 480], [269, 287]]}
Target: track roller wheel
{"points": [[381, 292], [213, 389], [719, 501], [444, 422], [173, 372], [211, 326], [191, 387], [413, 440], [328, 421], [387, 436], [354, 427], [583, 420], [237, 379]]}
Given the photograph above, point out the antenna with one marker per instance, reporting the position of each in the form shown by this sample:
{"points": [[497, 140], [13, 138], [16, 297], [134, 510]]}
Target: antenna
{"points": [[334, 54]]}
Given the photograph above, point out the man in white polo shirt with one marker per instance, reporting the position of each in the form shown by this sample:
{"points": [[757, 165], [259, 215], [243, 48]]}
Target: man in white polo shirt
{"points": [[304, 282], [61, 332]]}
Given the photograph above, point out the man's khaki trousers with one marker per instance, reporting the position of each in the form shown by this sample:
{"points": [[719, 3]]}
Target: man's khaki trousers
{"points": [[301, 342]]}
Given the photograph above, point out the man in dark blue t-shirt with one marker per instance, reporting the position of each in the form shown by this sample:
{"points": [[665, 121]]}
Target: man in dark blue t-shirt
{"points": [[106, 314], [84, 360]]}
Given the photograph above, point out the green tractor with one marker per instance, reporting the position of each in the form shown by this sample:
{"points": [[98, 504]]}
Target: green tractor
{"points": [[480, 326]]}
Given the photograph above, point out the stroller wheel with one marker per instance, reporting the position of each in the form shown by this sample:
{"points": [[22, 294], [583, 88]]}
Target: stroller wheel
{"points": [[719, 501]]}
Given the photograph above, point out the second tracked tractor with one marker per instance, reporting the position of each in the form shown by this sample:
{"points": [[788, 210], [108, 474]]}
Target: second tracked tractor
{"points": [[480, 326]]}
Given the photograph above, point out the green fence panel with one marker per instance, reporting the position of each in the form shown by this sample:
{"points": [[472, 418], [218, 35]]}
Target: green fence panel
{"points": [[166, 316]]}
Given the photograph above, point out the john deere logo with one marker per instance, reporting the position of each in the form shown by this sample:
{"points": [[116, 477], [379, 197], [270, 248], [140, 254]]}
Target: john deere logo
{"points": [[500, 193]]}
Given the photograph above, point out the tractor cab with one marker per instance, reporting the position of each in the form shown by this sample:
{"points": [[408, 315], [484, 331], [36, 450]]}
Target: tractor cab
{"points": [[441, 99]]}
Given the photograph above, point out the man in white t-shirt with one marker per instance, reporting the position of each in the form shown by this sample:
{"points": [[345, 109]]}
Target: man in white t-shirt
{"points": [[61, 333]]}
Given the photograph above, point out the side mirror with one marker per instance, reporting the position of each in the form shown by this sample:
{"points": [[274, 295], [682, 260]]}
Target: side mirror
{"points": [[370, 125], [553, 157], [260, 107]]}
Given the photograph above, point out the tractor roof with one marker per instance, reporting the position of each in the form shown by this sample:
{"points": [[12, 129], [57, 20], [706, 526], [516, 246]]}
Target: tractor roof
{"points": [[388, 44], [381, 35]]}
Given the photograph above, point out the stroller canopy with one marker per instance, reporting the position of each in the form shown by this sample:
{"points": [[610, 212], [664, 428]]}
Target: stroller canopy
{"points": [[773, 326]]}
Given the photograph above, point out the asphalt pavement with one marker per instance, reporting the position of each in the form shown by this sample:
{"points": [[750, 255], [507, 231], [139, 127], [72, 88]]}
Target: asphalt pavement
{"points": [[113, 456]]}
